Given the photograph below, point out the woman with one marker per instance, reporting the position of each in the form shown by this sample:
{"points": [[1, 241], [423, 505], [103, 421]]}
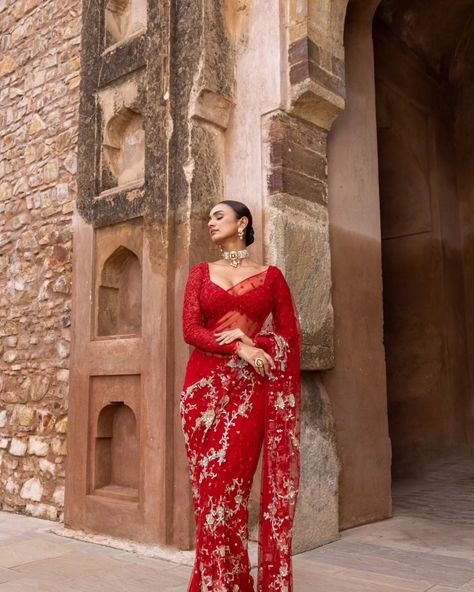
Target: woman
{"points": [[242, 388]]}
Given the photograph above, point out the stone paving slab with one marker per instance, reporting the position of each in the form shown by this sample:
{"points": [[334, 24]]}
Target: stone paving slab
{"points": [[397, 562], [401, 554]]}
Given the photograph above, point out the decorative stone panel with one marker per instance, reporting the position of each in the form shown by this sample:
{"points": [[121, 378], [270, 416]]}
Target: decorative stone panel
{"points": [[119, 479], [123, 19]]}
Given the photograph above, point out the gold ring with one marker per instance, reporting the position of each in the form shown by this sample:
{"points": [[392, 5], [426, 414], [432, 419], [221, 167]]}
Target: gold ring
{"points": [[259, 362]]}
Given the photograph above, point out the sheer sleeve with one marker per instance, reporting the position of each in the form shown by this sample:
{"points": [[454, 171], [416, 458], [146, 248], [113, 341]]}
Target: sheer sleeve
{"points": [[285, 323], [194, 331]]}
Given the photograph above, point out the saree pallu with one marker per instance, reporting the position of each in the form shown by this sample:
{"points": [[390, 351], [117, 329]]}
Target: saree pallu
{"points": [[228, 411]]}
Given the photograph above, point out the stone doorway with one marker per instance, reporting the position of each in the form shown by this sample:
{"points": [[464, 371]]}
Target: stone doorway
{"points": [[423, 67]]}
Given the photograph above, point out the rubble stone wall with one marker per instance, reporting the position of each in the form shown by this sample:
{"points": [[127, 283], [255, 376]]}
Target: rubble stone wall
{"points": [[39, 95]]}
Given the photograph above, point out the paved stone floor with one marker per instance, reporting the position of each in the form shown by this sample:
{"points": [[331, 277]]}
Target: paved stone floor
{"points": [[427, 545]]}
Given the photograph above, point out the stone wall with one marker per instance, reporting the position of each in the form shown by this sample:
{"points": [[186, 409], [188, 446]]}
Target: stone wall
{"points": [[39, 80], [424, 319]]}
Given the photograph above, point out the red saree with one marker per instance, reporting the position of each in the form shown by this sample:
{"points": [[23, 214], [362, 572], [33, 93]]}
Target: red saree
{"points": [[227, 411]]}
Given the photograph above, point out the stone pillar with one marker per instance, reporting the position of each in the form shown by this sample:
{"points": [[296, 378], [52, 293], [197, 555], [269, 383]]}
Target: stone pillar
{"points": [[357, 385]]}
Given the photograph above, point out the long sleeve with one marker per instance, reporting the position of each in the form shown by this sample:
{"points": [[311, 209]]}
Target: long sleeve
{"points": [[194, 332], [285, 320]]}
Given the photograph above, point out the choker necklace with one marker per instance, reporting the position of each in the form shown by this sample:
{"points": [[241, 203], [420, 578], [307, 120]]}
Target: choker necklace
{"points": [[234, 257]]}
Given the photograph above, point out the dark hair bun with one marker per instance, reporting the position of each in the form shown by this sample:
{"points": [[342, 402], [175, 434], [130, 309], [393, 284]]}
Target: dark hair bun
{"points": [[249, 235], [241, 210]]}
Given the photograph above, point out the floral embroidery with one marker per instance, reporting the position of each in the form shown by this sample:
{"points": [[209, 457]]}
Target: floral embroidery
{"points": [[226, 414]]}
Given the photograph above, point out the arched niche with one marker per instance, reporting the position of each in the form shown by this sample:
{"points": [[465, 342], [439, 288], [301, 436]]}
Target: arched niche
{"points": [[123, 149], [116, 466], [124, 18], [120, 295]]}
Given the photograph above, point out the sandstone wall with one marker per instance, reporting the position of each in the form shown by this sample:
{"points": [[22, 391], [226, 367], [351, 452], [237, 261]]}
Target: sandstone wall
{"points": [[39, 80]]}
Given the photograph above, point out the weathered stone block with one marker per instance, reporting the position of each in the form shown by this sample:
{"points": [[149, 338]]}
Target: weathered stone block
{"points": [[38, 446], [316, 520], [12, 486], [297, 239], [39, 388], [18, 447], [47, 466], [23, 416], [59, 446], [61, 425], [32, 489], [42, 511], [58, 497]]}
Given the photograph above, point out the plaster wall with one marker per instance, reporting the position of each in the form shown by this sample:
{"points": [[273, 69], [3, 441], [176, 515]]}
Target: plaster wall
{"points": [[276, 164], [257, 45], [427, 366]]}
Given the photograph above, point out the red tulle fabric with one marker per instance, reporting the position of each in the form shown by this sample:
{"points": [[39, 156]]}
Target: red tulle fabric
{"points": [[228, 411]]}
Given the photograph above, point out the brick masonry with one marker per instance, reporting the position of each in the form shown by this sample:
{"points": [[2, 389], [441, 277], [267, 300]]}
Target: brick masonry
{"points": [[39, 96]]}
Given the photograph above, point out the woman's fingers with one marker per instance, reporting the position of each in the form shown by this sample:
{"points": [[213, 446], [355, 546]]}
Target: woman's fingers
{"points": [[270, 361], [226, 336], [267, 365]]}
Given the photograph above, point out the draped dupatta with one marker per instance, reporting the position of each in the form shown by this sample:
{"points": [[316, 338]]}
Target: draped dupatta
{"points": [[281, 458]]}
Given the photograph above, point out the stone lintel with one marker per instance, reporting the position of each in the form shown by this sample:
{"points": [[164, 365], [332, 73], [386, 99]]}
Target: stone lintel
{"points": [[212, 107], [122, 59], [317, 85], [316, 104]]}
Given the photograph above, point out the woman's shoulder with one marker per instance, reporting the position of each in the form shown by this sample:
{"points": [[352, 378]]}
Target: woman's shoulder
{"points": [[276, 271], [199, 266]]}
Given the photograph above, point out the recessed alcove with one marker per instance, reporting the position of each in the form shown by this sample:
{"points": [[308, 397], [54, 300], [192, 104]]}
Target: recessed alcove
{"points": [[123, 160], [123, 19], [120, 295], [116, 466]]}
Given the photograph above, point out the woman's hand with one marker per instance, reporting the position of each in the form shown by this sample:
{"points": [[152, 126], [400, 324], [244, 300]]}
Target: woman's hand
{"points": [[251, 354], [232, 335]]}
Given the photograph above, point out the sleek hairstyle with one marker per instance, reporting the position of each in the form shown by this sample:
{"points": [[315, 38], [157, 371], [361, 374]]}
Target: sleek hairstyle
{"points": [[241, 210]]}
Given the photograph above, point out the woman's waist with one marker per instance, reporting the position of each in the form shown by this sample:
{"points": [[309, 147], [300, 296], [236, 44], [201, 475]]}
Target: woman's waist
{"points": [[212, 354]]}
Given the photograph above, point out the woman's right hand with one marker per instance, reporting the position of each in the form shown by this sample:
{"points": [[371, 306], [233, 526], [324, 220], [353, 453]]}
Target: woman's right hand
{"points": [[250, 354]]}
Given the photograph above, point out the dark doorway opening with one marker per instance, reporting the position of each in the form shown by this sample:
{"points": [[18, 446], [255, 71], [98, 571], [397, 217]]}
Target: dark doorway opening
{"points": [[424, 92]]}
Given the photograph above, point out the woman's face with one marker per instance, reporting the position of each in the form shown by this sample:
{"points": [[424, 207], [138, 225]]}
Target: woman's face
{"points": [[223, 223]]}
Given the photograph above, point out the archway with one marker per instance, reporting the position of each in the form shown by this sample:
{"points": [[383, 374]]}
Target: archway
{"points": [[422, 70], [361, 234]]}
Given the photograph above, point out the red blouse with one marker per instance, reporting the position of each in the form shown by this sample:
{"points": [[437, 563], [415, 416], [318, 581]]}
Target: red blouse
{"points": [[208, 308]]}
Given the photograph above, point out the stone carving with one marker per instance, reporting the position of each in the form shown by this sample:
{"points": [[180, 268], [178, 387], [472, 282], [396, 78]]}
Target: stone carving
{"points": [[124, 18], [120, 295], [116, 467], [123, 149]]}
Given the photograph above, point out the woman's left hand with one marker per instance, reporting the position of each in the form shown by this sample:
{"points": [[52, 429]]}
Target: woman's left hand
{"points": [[232, 335]]}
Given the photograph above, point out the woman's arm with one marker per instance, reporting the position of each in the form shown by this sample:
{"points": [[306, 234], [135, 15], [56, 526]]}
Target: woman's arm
{"points": [[194, 332]]}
